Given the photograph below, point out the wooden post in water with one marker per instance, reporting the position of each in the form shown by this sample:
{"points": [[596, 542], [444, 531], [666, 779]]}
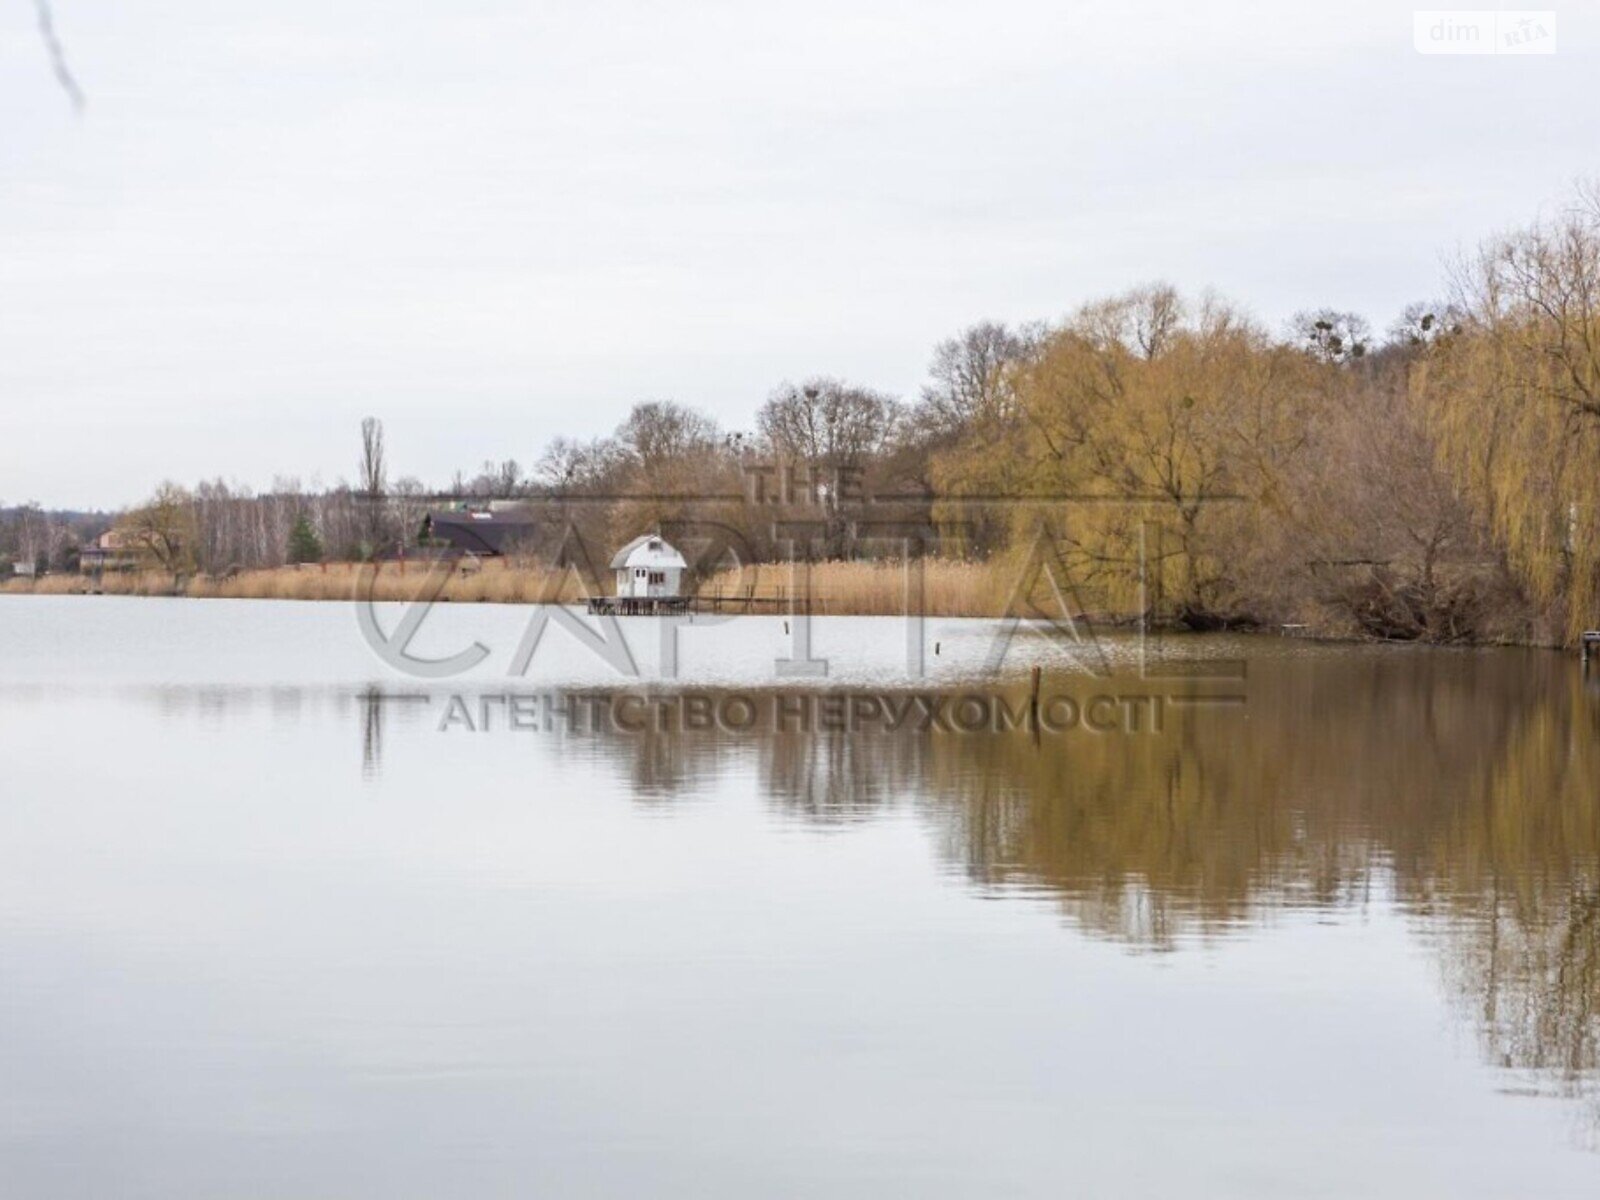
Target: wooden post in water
{"points": [[1591, 646], [1033, 700]]}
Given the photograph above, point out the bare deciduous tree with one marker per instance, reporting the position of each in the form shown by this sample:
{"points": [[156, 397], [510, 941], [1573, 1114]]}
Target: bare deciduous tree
{"points": [[162, 531], [971, 377], [828, 426], [374, 478], [1332, 336], [658, 432]]}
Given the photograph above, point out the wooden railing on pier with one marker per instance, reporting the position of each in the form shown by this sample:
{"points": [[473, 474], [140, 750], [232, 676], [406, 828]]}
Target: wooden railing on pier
{"points": [[716, 602]]}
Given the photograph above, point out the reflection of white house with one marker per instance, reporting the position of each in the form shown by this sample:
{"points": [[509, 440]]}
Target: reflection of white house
{"points": [[648, 566]]}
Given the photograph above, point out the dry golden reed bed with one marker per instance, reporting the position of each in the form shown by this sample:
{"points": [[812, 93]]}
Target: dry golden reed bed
{"points": [[866, 589], [950, 589]]}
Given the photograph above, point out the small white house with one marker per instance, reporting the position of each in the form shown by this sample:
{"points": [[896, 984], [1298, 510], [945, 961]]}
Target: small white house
{"points": [[647, 567]]}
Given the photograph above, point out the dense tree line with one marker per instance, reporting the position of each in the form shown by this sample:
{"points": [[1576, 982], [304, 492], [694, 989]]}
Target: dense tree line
{"points": [[1156, 452]]}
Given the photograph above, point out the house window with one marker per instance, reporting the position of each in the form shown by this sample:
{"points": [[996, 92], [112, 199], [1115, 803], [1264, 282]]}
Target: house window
{"points": [[657, 577]]}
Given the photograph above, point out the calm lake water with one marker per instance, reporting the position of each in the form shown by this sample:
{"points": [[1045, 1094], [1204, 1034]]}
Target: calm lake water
{"points": [[275, 923]]}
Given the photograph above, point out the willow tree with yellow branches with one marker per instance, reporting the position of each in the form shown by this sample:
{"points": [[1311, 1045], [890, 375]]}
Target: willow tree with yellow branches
{"points": [[1155, 434], [1513, 389], [162, 533]]}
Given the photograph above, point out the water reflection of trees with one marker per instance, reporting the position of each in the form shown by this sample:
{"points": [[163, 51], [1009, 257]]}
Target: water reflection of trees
{"points": [[821, 777], [1514, 886], [1464, 785]]}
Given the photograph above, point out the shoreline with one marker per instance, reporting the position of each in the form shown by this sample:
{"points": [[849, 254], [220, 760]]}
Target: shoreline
{"points": [[952, 591]]}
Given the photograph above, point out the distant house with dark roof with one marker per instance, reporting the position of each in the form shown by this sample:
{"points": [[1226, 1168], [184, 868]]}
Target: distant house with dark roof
{"points": [[111, 551], [481, 532]]}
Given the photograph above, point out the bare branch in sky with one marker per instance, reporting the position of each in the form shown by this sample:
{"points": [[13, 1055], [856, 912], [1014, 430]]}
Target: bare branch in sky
{"points": [[58, 57]]}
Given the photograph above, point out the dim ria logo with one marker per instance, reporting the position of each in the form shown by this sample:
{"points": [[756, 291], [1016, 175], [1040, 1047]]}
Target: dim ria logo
{"points": [[1483, 31]]}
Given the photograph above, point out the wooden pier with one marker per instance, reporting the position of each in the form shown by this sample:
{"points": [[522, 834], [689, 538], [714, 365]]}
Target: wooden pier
{"points": [[639, 606], [664, 606]]}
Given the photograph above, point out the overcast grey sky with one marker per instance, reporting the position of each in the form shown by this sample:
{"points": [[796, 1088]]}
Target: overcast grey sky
{"points": [[490, 222]]}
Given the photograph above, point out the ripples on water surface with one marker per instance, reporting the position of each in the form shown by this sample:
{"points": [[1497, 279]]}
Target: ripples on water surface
{"points": [[265, 930]]}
